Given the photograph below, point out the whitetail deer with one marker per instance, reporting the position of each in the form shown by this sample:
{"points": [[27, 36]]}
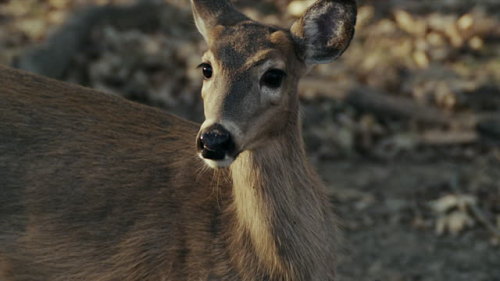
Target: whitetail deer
{"points": [[93, 187]]}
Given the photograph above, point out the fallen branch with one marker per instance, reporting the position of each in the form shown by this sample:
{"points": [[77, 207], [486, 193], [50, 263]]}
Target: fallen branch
{"points": [[461, 128], [373, 101], [385, 105], [443, 138]]}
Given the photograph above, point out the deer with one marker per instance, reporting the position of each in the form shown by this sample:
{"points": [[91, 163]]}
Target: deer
{"points": [[95, 187]]}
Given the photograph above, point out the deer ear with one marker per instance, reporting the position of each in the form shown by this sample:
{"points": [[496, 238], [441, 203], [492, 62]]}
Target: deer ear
{"points": [[325, 30], [210, 13]]}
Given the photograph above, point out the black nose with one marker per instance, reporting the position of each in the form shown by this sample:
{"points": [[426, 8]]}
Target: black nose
{"points": [[215, 142]]}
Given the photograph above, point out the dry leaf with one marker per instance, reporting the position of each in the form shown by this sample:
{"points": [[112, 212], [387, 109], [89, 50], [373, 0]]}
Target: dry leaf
{"points": [[453, 213]]}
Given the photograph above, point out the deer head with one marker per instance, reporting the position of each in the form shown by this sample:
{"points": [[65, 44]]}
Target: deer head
{"points": [[251, 72]]}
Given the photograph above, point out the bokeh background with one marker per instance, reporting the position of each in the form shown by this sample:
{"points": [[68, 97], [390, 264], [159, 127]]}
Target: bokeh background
{"points": [[404, 128]]}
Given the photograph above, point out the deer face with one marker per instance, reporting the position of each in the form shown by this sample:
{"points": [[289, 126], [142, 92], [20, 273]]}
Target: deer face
{"points": [[250, 79], [251, 72]]}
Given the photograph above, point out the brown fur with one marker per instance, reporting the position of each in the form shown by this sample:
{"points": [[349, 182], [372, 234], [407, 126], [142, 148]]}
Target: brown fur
{"points": [[98, 188]]}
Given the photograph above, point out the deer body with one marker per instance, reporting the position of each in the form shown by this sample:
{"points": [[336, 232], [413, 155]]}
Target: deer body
{"points": [[93, 187], [91, 184]]}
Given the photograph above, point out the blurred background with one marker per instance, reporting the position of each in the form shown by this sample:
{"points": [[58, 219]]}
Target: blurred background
{"points": [[404, 128]]}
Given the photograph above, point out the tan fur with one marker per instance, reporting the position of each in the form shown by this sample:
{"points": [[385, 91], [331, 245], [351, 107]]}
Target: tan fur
{"points": [[252, 212]]}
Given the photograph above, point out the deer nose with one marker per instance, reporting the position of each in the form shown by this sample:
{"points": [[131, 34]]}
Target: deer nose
{"points": [[215, 142]]}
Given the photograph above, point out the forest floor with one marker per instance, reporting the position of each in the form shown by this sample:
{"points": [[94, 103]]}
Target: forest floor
{"points": [[404, 128]]}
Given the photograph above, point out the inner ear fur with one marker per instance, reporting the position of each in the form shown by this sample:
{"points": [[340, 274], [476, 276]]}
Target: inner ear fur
{"points": [[325, 30]]}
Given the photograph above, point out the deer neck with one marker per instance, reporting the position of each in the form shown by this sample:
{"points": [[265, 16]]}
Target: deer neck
{"points": [[281, 207]]}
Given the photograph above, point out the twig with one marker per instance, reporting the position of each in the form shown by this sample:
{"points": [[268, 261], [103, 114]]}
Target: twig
{"points": [[479, 214]]}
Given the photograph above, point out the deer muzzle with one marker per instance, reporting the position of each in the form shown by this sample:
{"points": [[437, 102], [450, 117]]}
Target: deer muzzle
{"points": [[215, 143]]}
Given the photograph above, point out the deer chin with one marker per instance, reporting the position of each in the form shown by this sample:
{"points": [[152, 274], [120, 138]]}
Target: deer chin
{"points": [[218, 164]]}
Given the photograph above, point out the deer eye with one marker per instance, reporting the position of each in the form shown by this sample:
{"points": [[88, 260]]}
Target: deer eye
{"points": [[273, 78], [207, 70]]}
